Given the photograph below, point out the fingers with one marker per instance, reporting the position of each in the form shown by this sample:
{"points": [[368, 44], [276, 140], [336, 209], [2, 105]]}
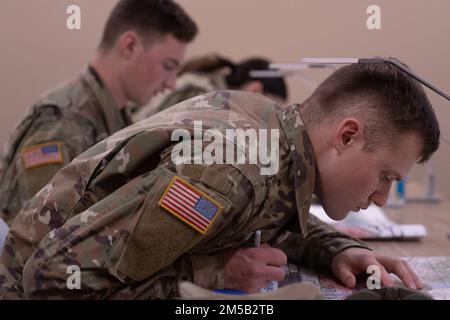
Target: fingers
{"points": [[273, 256], [404, 272], [262, 276], [382, 263], [249, 269], [268, 255], [345, 275], [385, 277], [418, 282], [353, 261], [274, 273]]}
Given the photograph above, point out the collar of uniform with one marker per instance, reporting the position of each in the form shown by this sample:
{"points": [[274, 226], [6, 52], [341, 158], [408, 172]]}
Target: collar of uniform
{"points": [[304, 167], [110, 110]]}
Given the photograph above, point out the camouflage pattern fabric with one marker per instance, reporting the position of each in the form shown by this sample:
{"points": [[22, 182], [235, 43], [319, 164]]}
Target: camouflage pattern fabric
{"points": [[188, 86], [60, 126], [102, 213]]}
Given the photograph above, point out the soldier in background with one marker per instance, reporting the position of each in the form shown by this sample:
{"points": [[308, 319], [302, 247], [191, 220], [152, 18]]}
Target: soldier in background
{"points": [[213, 72], [134, 221], [142, 46]]}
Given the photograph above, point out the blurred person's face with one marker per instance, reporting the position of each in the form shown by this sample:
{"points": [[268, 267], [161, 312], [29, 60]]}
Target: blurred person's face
{"points": [[151, 69], [350, 178]]}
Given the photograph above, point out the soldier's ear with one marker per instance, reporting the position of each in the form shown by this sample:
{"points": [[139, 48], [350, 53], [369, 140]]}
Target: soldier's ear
{"points": [[128, 44], [349, 131]]}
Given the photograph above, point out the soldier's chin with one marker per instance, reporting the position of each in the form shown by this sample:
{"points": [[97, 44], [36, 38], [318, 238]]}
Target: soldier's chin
{"points": [[336, 214], [147, 100]]}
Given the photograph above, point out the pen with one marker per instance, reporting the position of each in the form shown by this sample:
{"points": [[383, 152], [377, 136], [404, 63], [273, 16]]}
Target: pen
{"points": [[258, 238], [271, 285]]}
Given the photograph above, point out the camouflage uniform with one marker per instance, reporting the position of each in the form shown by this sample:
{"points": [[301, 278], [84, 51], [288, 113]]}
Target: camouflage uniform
{"points": [[59, 127], [103, 212], [188, 85]]}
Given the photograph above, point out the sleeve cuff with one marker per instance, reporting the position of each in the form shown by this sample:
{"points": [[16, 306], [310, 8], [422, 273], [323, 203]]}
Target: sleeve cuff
{"points": [[209, 271]]}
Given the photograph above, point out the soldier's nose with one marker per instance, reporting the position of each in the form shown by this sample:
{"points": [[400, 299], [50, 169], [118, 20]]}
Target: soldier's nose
{"points": [[171, 83], [379, 198]]}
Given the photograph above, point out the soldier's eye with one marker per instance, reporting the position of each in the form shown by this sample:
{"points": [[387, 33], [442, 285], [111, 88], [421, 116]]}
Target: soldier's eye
{"points": [[170, 66]]}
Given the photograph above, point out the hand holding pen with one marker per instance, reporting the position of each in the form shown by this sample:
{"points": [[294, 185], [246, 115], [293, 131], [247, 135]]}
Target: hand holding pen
{"points": [[250, 269]]}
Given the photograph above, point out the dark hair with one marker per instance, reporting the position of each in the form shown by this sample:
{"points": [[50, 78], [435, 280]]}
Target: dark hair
{"points": [[390, 101], [206, 63], [239, 74], [148, 18]]}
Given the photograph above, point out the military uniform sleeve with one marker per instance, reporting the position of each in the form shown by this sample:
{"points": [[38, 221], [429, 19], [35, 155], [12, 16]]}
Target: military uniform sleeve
{"points": [[208, 270], [319, 247], [53, 143], [130, 245]]}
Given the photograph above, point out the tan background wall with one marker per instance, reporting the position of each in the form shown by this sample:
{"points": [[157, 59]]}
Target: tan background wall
{"points": [[38, 51]]}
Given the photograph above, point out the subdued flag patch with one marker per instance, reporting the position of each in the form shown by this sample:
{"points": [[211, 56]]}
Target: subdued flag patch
{"points": [[190, 204], [42, 154]]}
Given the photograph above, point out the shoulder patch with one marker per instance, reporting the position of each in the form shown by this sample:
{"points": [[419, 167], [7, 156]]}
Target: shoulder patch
{"points": [[42, 154], [189, 204]]}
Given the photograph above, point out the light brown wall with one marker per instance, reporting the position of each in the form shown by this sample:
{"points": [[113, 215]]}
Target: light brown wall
{"points": [[37, 50]]}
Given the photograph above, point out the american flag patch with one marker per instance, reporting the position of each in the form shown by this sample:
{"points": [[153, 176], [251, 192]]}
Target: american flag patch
{"points": [[189, 204], [42, 154]]}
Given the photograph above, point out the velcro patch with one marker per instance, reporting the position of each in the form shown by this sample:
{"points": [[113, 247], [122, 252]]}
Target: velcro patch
{"points": [[189, 204], [42, 154]]}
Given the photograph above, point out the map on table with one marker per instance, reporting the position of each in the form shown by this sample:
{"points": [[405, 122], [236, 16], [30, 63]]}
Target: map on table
{"points": [[433, 271]]}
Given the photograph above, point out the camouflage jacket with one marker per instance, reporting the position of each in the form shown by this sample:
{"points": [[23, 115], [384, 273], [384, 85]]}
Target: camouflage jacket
{"points": [[108, 213], [59, 127], [188, 86]]}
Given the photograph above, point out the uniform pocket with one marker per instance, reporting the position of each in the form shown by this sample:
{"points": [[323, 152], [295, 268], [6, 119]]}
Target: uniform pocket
{"points": [[164, 231]]}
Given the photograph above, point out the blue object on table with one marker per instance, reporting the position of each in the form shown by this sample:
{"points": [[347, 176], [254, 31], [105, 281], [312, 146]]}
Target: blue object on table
{"points": [[230, 291], [401, 189]]}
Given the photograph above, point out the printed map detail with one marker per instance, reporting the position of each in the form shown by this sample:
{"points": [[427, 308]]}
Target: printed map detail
{"points": [[433, 271]]}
